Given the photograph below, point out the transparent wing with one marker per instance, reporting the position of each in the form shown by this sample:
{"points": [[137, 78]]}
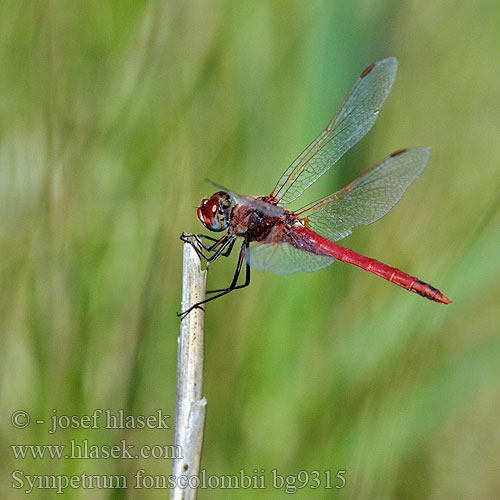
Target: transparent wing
{"points": [[367, 198], [283, 258], [352, 121]]}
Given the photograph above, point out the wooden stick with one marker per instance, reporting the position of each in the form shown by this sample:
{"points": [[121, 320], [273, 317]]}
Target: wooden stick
{"points": [[190, 405]]}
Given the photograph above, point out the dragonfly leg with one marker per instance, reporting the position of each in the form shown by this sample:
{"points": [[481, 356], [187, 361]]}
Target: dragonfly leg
{"points": [[237, 272], [195, 241], [232, 286], [227, 253], [188, 238]]}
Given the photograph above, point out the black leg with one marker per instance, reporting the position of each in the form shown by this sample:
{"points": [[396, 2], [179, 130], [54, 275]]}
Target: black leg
{"points": [[194, 240], [227, 253], [187, 238], [232, 286]]}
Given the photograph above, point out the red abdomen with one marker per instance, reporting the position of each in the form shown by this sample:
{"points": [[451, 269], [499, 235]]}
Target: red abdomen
{"points": [[392, 274]]}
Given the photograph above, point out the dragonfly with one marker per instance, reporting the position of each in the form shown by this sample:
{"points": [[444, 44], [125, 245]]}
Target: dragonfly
{"points": [[287, 241]]}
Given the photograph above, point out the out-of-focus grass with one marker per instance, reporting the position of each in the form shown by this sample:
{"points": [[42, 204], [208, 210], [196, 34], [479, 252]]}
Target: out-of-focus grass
{"points": [[111, 117]]}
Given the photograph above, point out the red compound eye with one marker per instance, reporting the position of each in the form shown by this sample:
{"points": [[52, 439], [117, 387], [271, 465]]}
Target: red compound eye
{"points": [[208, 214], [200, 210], [212, 213]]}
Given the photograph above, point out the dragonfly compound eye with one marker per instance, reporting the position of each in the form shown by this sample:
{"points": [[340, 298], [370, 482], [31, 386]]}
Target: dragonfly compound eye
{"points": [[200, 210], [211, 215]]}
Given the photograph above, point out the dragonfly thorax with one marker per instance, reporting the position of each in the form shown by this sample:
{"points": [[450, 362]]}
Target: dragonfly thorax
{"points": [[213, 212]]}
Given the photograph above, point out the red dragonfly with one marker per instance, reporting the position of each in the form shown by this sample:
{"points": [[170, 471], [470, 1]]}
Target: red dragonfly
{"points": [[303, 240]]}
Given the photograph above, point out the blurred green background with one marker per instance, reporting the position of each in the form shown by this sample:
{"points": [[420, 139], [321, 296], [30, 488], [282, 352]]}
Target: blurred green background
{"points": [[114, 113]]}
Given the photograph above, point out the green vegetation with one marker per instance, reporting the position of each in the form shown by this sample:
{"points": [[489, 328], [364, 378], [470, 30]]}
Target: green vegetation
{"points": [[114, 113]]}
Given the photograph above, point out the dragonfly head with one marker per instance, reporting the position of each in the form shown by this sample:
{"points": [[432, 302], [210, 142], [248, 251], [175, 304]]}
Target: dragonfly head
{"points": [[213, 212]]}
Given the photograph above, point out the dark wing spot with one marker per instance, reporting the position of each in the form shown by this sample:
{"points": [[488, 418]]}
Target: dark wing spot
{"points": [[367, 70], [400, 151]]}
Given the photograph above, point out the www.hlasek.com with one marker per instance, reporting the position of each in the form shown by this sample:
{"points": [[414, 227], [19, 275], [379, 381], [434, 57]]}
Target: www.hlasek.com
{"points": [[86, 450], [289, 484]]}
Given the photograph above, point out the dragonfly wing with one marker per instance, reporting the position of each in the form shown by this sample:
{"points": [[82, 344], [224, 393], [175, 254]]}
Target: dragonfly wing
{"points": [[284, 258], [352, 121], [367, 198]]}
